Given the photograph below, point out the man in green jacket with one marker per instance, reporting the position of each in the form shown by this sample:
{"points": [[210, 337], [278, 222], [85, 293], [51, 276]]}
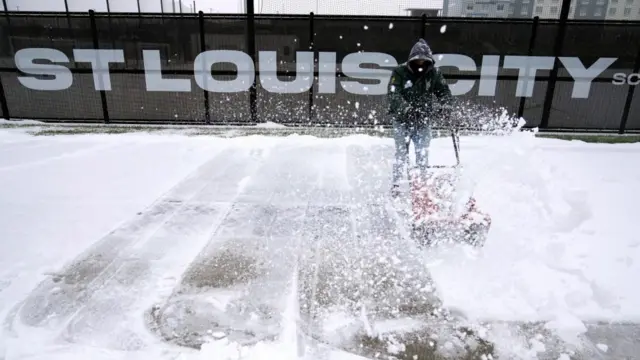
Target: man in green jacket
{"points": [[418, 94]]}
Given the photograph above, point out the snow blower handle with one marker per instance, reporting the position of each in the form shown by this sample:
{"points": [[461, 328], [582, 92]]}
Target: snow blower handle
{"points": [[456, 145], [456, 149], [454, 136]]}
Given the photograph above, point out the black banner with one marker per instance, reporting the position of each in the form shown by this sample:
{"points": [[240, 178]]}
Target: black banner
{"points": [[308, 70]]}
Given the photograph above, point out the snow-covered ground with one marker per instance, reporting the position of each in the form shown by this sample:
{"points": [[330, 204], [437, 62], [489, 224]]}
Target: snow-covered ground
{"points": [[143, 209]]}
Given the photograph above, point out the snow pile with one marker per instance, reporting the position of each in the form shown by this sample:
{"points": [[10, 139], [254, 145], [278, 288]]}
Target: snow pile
{"points": [[271, 125], [225, 350], [21, 122], [562, 246]]}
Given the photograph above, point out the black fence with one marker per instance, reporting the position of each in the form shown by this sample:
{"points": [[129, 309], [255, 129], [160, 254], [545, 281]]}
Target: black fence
{"points": [[309, 70]]}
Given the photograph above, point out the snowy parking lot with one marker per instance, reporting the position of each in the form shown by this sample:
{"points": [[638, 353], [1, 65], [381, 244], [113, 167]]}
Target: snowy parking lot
{"points": [[178, 247]]}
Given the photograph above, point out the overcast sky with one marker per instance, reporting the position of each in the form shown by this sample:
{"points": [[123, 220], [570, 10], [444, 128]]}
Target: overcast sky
{"points": [[344, 7], [220, 6]]}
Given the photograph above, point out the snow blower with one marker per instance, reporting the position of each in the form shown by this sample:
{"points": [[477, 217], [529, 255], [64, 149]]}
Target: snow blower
{"points": [[441, 213]]}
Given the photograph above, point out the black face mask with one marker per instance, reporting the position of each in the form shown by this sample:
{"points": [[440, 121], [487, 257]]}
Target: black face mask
{"points": [[420, 69]]}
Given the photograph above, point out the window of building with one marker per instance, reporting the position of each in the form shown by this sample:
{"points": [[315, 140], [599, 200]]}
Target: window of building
{"points": [[500, 7], [538, 9], [598, 12], [627, 11], [553, 10], [600, 2], [524, 12], [612, 11], [555, 1], [583, 12], [629, 2], [469, 6]]}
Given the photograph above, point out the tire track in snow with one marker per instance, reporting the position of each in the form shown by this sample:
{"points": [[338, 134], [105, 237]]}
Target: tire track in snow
{"points": [[285, 214], [56, 297], [148, 273], [66, 155], [252, 251]]}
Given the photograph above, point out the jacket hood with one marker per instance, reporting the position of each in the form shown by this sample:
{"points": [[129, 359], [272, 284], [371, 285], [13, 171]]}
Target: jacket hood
{"points": [[421, 50]]}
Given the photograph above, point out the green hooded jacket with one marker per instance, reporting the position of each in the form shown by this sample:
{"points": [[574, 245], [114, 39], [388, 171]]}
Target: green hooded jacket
{"points": [[420, 91]]}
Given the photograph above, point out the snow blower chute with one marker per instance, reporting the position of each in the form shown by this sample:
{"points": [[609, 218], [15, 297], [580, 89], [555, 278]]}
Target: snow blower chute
{"points": [[441, 213]]}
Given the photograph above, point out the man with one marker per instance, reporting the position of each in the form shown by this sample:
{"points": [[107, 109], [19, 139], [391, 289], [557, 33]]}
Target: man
{"points": [[418, 94]]}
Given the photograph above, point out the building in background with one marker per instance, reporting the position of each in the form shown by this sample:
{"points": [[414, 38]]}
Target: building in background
{"points": [[424, 11], [486, 8], [345, 7], [622, 9], [545, 9]]}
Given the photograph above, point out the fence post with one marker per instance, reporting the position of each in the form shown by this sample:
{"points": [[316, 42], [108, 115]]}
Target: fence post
{"points": [[3, 103], [3, 98], [627, 104], [553, 76], [207, 109], [251, 51], [312, 47], [96, 45], [532, 43]]}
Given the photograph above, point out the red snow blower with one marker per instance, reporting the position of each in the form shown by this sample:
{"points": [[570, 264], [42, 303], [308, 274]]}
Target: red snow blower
{"points": [[440, 212]]}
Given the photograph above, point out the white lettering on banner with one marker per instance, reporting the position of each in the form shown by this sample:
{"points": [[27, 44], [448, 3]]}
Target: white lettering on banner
{"points": [[629, 79], [243, 62], [622, 79], [351, 67], [327, 72], [463, 63], [59, 77], [527, 67], [153, 77], [62, 76], [268, 65], [583, 76], [99, 60], [489, 75]]}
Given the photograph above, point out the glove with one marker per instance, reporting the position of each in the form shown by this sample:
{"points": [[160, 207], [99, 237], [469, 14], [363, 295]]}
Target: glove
{"points": [[444, 113], [413, 114]]}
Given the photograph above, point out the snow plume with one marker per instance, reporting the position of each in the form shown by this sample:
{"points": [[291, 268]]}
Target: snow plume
{"points": [[521, 274], [479, 117]]}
